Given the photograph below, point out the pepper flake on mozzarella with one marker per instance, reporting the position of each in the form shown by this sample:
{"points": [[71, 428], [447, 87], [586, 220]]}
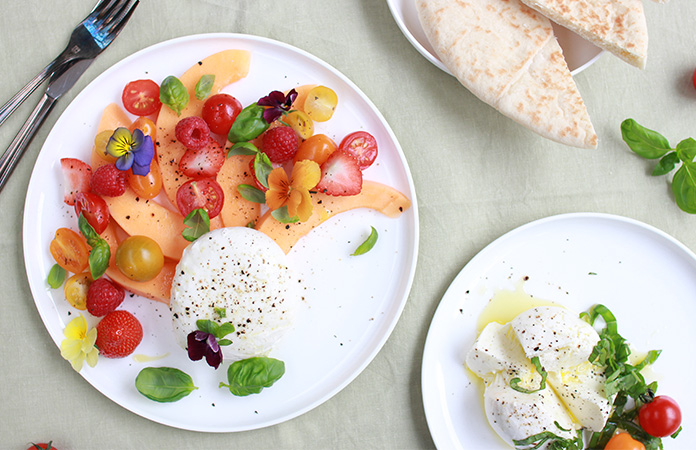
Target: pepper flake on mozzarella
{"points": [[244, 273]]}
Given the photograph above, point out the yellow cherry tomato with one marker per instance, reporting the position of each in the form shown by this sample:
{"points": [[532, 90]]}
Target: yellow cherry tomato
{"points": [[75, 290], [623, 441], [301, 123], [100, 142], [139, 258], [320, 103]]}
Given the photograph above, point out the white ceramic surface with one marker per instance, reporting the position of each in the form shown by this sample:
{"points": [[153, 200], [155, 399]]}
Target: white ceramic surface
{"points": [[352, 303]]}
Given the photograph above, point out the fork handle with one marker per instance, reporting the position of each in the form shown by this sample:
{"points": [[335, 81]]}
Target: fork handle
{"points": [[10, 158], [13, 103]]}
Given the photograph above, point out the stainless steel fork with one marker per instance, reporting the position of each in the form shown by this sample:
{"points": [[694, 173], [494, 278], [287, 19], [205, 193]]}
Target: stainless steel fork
{"points": [[88, 39]]}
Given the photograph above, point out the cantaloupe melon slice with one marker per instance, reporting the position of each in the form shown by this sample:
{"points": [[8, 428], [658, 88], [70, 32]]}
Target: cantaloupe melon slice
{"points": [[156, 289], [112, 118], [237, 211], [374, 195], [228, 66]]}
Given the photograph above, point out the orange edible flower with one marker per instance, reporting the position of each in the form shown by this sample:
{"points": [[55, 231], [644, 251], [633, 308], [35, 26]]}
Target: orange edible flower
{"points": [[293, 193]]}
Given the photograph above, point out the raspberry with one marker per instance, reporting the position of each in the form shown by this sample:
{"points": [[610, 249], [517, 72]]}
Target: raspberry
{"points": [[109, 181], [103, 297], [280, 144], [193, 132]]}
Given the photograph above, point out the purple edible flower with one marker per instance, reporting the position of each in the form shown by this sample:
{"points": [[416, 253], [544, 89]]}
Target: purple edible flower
{"points": [[202, 344], [278, 103]]}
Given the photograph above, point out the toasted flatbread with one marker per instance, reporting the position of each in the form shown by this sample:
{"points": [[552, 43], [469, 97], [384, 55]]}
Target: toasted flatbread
{"points": [[507, 55], [618, 26]]}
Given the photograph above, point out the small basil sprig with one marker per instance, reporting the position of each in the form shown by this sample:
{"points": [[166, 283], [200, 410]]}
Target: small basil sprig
{"points": [[100, 253], [249, 124], [368, 244], [173, 93], [250, 376], [283, 216], [650, 144], [164, 384], [216, 329], [197, 223], [204, 86], [56, 276]]}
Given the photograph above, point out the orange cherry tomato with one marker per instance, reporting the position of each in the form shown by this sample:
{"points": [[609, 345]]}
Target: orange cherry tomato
{"points": [[147, 186], [317, 148], [623, 441], [145, 125], [75, 290], [70, 250]]}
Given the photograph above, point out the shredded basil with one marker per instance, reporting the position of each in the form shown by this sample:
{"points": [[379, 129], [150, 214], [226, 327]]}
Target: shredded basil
{"points": [[514, 383], [367, 245]]}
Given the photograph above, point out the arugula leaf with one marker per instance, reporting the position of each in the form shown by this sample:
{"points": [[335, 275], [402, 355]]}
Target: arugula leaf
{"points": [[204, 86], [367, 245], [197, 224], [173, 93], [56, 276], [100, 253]]}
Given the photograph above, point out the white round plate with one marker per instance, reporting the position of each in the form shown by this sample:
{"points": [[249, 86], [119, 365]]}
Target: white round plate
{"points": [[352, 303], [645, 277], [579, 53]]}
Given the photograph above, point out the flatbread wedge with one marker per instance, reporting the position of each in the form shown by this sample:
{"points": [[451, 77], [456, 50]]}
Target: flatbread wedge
{"points": [[617, 26], [507, 55]]}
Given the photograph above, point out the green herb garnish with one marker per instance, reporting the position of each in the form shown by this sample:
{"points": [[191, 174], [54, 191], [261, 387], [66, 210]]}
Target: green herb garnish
{"points": [[164, 384], [173, 93], [197, 224], [204, 86], [554, 441], [281, 215], [251, 193], [56, 276], [367, 245], [100, 253], [250, 376], [515, 382]]}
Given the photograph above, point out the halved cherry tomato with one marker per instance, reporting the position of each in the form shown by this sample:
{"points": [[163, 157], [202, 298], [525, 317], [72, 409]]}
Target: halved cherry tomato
{"points": [[147, 126], [141, 97], [317, 148], [363, 146], [139, 258], [70, 250], [661, 417], [623, 441], [219, 112], [147, 186], [301, 123], [320, 103], [204, 193], [94, 208], [75, 290]]}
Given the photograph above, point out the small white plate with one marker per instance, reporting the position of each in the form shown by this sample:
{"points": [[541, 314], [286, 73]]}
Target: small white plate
{"points": [[579, 53], [352, 304], [645, 277]]}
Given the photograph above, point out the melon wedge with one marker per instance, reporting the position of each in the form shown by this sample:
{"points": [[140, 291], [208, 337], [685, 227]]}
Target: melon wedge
{"points": [[112, 118], [374, 195], [237, 211]]}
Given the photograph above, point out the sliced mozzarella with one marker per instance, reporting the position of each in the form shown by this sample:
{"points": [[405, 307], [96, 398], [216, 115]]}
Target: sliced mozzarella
{"points": [[559, 338]]}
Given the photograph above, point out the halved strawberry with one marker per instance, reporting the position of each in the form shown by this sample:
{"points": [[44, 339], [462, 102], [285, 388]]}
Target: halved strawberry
{"points": [[76, 176], [204, 163], [340, 175], [118, 334]]}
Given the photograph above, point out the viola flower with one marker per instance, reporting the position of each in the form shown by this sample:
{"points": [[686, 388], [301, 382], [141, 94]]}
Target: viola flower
{"points": [[278, 104], [134, 150], [293, 193], [202, 344], [78, 345]]}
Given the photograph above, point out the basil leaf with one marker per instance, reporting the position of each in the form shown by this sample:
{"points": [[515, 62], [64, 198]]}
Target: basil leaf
{"points": [[282, 216], [368, 244], [222, 312], [173, 93], [223, 342], [649, 359], [56, 276], [514, 383], [251, 193], [204, 86], [224, 329], [249, 124], [666, 165], [197, 224], [250, 376], [100, 253], [242, 148], [207, 326], [646, 143], [684, 187], [262, 168], [164, 384], [686, 150]]}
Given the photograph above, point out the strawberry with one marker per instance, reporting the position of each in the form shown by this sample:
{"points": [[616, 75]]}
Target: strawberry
{"points": [[205, 163], [340, 175], [103, 297], [118, 334], [76, 175], [108, 181], [280, 144]]}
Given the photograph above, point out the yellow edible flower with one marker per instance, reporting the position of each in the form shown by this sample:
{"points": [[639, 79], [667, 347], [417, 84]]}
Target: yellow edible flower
{"points": [[78, 345]]}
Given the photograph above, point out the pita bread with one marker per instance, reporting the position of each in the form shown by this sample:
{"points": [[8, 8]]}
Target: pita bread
{"points": [[618, 26], [507, 55]]}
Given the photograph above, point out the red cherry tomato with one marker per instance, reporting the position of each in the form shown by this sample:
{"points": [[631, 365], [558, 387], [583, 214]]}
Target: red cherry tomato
{"points": [[94, 208], [694, 80], [623, 441], [220, 111], [141, 97], [204, 193], [363, 146], [661, 417]]}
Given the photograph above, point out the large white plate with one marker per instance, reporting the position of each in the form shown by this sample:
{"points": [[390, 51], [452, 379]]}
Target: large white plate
{"points": [[579, 53], [644, 276], [352, 304]]}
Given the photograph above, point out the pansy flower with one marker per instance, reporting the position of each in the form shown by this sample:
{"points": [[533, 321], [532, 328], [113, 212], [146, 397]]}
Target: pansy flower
{"points": [[202, 344], [277, 103], [78, 345], [134, 150], [293, 192]]}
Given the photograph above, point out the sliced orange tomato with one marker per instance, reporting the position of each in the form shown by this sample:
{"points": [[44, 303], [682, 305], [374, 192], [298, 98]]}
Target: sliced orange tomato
{"points": [[623, 441], [147, 186], [317, 148], [75, 290], [70, 250]]}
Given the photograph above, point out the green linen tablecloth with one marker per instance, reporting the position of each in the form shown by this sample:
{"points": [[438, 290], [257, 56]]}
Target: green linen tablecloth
{"points": [[477, 176]]}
